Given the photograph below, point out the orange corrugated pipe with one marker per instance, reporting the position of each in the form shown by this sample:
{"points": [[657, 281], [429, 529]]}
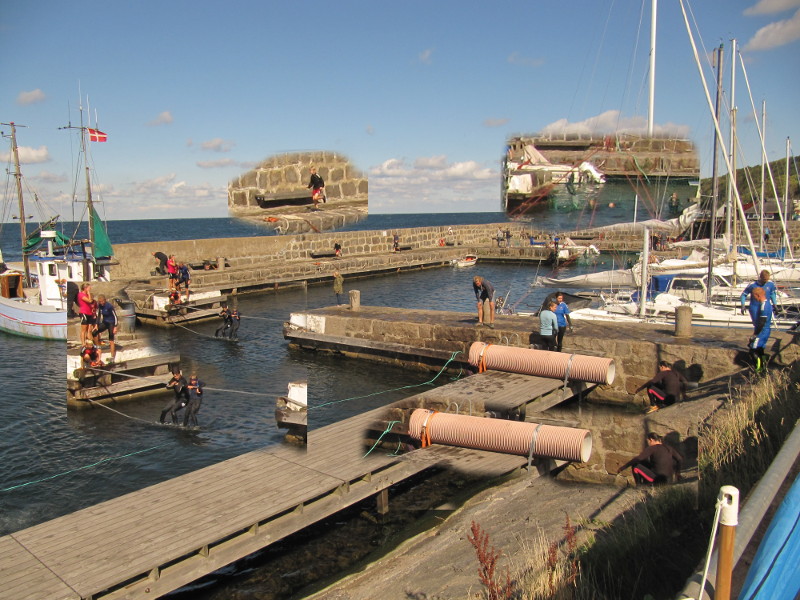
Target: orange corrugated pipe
{"points": [[543, 363], [500, 435]]}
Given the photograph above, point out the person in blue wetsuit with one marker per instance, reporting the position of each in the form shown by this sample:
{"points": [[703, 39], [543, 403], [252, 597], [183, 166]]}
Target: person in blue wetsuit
{"points": [[106, 321], [562, 317], [548, 326], [762, 320], [770, 291]]}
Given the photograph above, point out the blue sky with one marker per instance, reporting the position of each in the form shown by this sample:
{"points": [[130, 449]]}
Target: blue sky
{"points": [[421, 95]]}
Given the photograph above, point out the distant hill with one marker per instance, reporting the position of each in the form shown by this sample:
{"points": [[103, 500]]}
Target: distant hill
{"points": [[748, 180]]}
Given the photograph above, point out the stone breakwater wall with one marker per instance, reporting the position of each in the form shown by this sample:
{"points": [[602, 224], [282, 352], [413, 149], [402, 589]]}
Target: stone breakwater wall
{"points": [[290, 173], [136, 260]]}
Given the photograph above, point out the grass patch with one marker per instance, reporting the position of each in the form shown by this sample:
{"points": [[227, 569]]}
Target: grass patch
{"points": [[651, 549]]}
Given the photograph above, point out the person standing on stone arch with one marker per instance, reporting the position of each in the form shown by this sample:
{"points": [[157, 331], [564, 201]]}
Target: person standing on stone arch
{"points": [[317, 187]]}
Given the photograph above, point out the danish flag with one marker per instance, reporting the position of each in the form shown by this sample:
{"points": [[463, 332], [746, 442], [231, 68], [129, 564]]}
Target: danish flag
{"points": [[95, 135]]}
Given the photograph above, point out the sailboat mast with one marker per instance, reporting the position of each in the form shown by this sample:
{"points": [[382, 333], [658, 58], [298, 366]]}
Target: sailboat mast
{"points": [[763, 167], [732, 152], [23, 231], [714, 179], [651, 104], [89, 203]]}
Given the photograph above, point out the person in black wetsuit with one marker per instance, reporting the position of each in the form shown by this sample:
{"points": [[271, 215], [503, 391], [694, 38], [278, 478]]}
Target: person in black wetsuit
{"points": [[666, 388], [235, 318], [224, 329], [178, 385], [161, 269], [195, 400], [657, 464]]}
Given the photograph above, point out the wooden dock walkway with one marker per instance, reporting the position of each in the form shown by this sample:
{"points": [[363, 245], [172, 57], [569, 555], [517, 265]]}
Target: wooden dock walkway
{"points": [[150, 542], [507, 395]]}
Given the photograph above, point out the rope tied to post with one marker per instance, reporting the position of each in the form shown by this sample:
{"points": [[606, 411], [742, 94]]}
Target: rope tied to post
{"points": [[482, 359], [425, 438]]}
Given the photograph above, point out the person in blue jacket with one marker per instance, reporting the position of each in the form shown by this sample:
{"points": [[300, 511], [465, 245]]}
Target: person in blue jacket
{"points": [[562, 317], [762, 320], [769, 289]]}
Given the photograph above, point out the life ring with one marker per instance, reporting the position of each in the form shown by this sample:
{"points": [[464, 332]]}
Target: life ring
{"points": [[441, 241]]}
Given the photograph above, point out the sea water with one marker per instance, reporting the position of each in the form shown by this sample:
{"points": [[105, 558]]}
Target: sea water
{"points": [[53, 462]]}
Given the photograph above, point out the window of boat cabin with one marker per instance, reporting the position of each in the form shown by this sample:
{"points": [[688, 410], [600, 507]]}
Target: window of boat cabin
{"points": [[687, 284], [51, 270]]}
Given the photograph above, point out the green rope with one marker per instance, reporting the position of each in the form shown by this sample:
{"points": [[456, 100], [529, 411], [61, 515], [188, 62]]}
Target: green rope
{"points": [[378, 441], [14, 487], [405, 387]]}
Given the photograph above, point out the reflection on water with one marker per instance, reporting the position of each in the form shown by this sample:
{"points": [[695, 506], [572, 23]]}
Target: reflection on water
{"points": [[40, 439]]}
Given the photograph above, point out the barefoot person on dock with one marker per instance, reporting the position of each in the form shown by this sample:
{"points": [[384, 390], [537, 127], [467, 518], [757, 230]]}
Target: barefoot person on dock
{"points": [[86, 311], [106, 321], [484, 291]]}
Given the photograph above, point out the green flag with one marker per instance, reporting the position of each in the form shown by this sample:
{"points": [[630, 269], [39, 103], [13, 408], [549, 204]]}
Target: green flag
{"points": [[102, 245]]}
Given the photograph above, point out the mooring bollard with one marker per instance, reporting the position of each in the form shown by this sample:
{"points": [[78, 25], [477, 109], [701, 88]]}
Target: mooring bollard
{"points": [[220, 263], [728, 520], [683, 321], [355, 299]]}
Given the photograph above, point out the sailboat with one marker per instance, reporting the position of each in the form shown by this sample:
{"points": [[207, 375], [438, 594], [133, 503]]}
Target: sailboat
{"points": [[35, 299]]}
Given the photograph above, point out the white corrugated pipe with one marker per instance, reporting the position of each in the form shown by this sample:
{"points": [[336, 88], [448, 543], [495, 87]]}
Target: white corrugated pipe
{"points": [[558, 365], [500, 435]]}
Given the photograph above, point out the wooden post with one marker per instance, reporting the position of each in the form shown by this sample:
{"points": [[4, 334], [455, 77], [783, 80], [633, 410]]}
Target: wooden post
{"points": [[728, 520], [382, 499], [487, 312]]}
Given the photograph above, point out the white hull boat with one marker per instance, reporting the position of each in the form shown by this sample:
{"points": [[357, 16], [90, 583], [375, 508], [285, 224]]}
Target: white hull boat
{"points": [[22, 316], [468, 261]]}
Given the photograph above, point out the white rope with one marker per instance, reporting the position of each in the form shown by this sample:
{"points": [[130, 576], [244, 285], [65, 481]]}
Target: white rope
{"points": [[710, 547]]}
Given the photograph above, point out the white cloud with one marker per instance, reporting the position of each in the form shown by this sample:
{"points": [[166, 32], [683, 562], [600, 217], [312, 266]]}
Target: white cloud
{"points": [[611, 122], [775, 34], [165, 195], [432, 184], [515, 58], [218, 145], [769, 7], [216, 164], [28, 156], [163, 118], [494, 122], [47, 177], [32, 97], [425, 56]]}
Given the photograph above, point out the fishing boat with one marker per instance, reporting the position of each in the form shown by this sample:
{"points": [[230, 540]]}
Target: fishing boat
{"points": [[35, 298], [468, 261]]}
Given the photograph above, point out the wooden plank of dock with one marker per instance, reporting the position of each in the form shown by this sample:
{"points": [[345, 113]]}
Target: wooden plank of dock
{"points": [[153, 541]]}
